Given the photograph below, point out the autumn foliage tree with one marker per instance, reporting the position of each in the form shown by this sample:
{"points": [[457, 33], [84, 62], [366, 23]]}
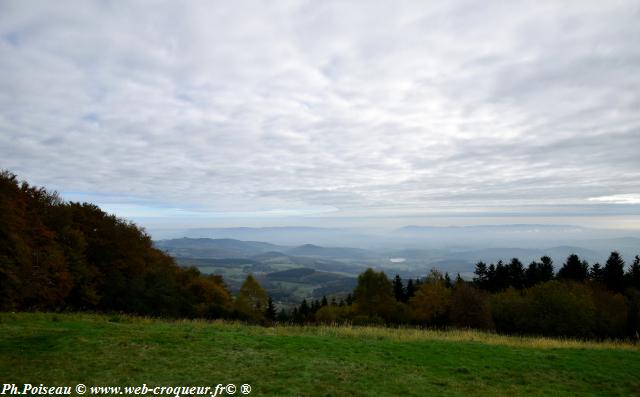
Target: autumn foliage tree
{"points": [[56, 255], [374, 296], [252, 300], [431, 303]]}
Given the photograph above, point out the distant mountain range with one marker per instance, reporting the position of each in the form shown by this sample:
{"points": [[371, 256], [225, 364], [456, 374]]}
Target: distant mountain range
{"points": [[337, 257], [308, 270], [529, 228], [426, 237], [280, 235], [231, 248]]}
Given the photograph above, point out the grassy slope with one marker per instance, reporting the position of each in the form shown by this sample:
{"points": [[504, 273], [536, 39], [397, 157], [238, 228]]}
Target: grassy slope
{"points": [[91, 349]]}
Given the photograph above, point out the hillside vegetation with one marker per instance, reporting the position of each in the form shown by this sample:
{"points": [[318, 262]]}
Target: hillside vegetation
{"points": [[57, 255], [65, 349]]}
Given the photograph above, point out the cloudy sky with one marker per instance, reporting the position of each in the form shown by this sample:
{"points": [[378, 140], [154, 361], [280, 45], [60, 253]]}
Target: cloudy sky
{"points": [[317, 112]]}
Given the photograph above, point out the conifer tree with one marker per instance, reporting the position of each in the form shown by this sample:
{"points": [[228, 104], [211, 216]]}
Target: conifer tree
{"points": [[447, 280], [574, 269], [480, 279], [304, 310], [539, 272], [516, 274], [270, 313], [546, 271], [633, 274], [596, 274], [411, 290], [613, 272], [502, 277], [282, 316], [398, 289], [349, 299]]}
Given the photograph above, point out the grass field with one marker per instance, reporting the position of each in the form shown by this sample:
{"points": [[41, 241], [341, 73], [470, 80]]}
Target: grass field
{"points": [[66, 349]]}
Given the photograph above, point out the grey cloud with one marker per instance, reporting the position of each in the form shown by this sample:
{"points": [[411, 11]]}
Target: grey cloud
{"points": [[251, 106]]}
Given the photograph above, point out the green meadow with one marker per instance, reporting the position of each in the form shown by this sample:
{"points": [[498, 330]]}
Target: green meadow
{"points": [[116, 350]]}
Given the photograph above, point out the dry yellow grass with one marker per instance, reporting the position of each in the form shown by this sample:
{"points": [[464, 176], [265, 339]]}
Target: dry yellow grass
{"points": [[402, 334], [412, 334]]}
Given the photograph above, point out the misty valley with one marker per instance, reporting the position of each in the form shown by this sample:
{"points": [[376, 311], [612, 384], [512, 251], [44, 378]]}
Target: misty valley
{"points": [[308, 271]]}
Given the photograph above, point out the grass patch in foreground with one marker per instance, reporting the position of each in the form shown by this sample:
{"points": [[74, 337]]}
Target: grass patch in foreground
{"points": [[66, 349]]}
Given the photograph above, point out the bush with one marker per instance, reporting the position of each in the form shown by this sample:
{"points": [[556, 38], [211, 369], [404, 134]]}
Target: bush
{"points": [[507, 310], [333, 314], [430, 305], [470, 308]]}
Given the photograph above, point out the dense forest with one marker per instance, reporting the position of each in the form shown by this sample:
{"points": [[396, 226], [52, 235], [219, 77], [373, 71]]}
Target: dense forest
{"points": [[57, 255]]}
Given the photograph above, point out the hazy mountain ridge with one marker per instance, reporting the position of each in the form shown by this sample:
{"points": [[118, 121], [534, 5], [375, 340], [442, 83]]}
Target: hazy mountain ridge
{"points": [[228, 248], [425, 237], [291, 272]]}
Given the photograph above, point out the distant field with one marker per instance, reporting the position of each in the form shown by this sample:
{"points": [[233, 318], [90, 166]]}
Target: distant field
{"points": [[61, 349]]}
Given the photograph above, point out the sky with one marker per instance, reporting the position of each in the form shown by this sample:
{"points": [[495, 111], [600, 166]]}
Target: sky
{"points": [[322, 113]]}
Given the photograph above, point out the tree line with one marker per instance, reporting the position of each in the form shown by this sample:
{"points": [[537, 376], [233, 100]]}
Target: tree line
{"points": [[577, 301]]}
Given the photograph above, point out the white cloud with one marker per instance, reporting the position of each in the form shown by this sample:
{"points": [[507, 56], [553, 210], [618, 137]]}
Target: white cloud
{"points": [[618, 199], [249, 107]]}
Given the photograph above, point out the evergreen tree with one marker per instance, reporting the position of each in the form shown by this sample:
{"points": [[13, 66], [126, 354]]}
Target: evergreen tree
{"points": [[398, 289], [480, 279], [531, 274], [633, 274], [304, 310], [324, 301], [613, 272], [546, 268], [538, 272], [282, 316], [501, 279], [296, 317], [491, 278], [447, 280], [333, 301], [349, 299], [270, 313], [411, 290], [574, 269], [515, 269], [596, 274]]}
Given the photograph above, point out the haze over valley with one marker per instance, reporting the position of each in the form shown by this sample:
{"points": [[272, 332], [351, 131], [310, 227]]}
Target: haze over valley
{"points": [[295, 263]]}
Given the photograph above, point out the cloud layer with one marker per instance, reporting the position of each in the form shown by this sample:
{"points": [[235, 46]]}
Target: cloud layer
{"points": [[361, 108]]}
